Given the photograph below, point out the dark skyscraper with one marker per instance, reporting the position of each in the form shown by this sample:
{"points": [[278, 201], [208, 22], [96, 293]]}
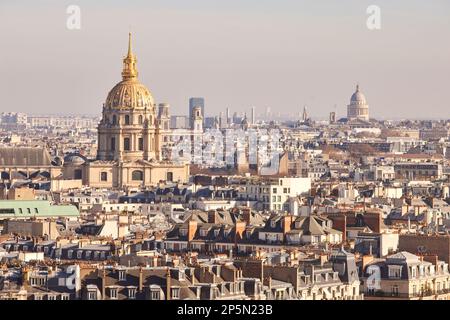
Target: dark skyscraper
{"points": [[196, 102]]}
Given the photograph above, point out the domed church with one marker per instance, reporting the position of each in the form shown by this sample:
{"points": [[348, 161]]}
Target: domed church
{"points": [[358, 109], [130, 137]]}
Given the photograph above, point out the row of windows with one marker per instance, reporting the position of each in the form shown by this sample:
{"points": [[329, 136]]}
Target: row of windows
{"points": [[127, 144], [136, 175], [127, 119], [21, 211]]}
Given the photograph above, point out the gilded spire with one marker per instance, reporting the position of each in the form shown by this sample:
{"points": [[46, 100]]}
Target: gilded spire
{"points": [[130, 48], [129, 63]]}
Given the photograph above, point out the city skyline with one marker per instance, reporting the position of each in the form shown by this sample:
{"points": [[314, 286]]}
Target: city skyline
{"points": [[299, 62], [224, 156]]}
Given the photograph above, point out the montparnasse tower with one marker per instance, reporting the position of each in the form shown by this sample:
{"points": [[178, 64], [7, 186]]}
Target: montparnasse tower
{"points": [[128, 130]]}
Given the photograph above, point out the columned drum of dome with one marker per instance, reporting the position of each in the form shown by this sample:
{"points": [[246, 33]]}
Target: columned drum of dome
{"points": [[128, 129], [358, 107]]}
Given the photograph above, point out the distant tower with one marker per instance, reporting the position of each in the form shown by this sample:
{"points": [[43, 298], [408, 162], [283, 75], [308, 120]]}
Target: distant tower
{"points": [[220, 119], [304, 115], [332, 117], [253, 115], [217, 122], [358, 107], [235, 118], [163, 126], [196, 102], [228, 116], [197, 119]]}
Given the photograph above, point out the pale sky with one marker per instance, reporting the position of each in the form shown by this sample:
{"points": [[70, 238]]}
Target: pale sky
{"points": [[280, 54]]}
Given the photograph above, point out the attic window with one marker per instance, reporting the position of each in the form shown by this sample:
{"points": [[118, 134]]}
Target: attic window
{"points": [[131, 293], [175, 293], [113, 293], [122, 275]]}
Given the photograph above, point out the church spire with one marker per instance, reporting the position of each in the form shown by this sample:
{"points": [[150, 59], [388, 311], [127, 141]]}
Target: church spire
{"points": [[130, 48], [129, 63]]}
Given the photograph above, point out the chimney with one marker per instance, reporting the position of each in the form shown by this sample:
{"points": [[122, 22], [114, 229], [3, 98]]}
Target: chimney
{"points": [[323, 258], [212, 217], [25, 276], [339, 223], [141, 280], [192, 229], [246, 215], [366, 259], [168, 283], [287, 221], [103, 283], [373, 221], [240, 228]]}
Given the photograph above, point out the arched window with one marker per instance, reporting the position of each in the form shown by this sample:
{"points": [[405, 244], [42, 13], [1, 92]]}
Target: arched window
{"points": [[141, 119], [114, 119], [126, 144], [127, 119], [137, 175]]}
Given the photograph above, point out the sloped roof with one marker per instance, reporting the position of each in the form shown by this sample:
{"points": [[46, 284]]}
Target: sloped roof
{"points": [[24, 156], [404, 256]]}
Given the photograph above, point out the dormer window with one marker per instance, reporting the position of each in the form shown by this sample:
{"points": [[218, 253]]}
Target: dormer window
{"points": [[92, 295], [273, 224], [155, 294], [395, 272], [175, 293], [113, 293], [122, 275], [132, 293]]}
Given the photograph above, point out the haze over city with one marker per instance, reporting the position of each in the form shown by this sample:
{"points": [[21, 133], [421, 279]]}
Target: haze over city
{"points": [[237, 54]]}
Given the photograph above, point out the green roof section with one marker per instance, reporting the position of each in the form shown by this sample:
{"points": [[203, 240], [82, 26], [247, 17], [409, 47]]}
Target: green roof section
{"points": [[35, 209]]}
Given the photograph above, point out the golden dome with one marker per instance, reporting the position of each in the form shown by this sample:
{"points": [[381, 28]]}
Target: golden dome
{"points": [[129, 93]]}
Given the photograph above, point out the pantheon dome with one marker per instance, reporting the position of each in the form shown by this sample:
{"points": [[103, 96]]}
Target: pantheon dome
{"points": [[358, 109], [358, 96]]}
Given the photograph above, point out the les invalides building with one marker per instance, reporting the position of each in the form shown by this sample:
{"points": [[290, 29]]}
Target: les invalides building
{"points": [[130, 137]]}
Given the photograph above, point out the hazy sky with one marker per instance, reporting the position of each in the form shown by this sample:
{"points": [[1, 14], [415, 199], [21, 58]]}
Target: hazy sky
{"points": [[237, 53]]}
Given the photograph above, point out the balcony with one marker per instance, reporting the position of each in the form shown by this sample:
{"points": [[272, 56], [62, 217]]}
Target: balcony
{"points": [[406, 296]]}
